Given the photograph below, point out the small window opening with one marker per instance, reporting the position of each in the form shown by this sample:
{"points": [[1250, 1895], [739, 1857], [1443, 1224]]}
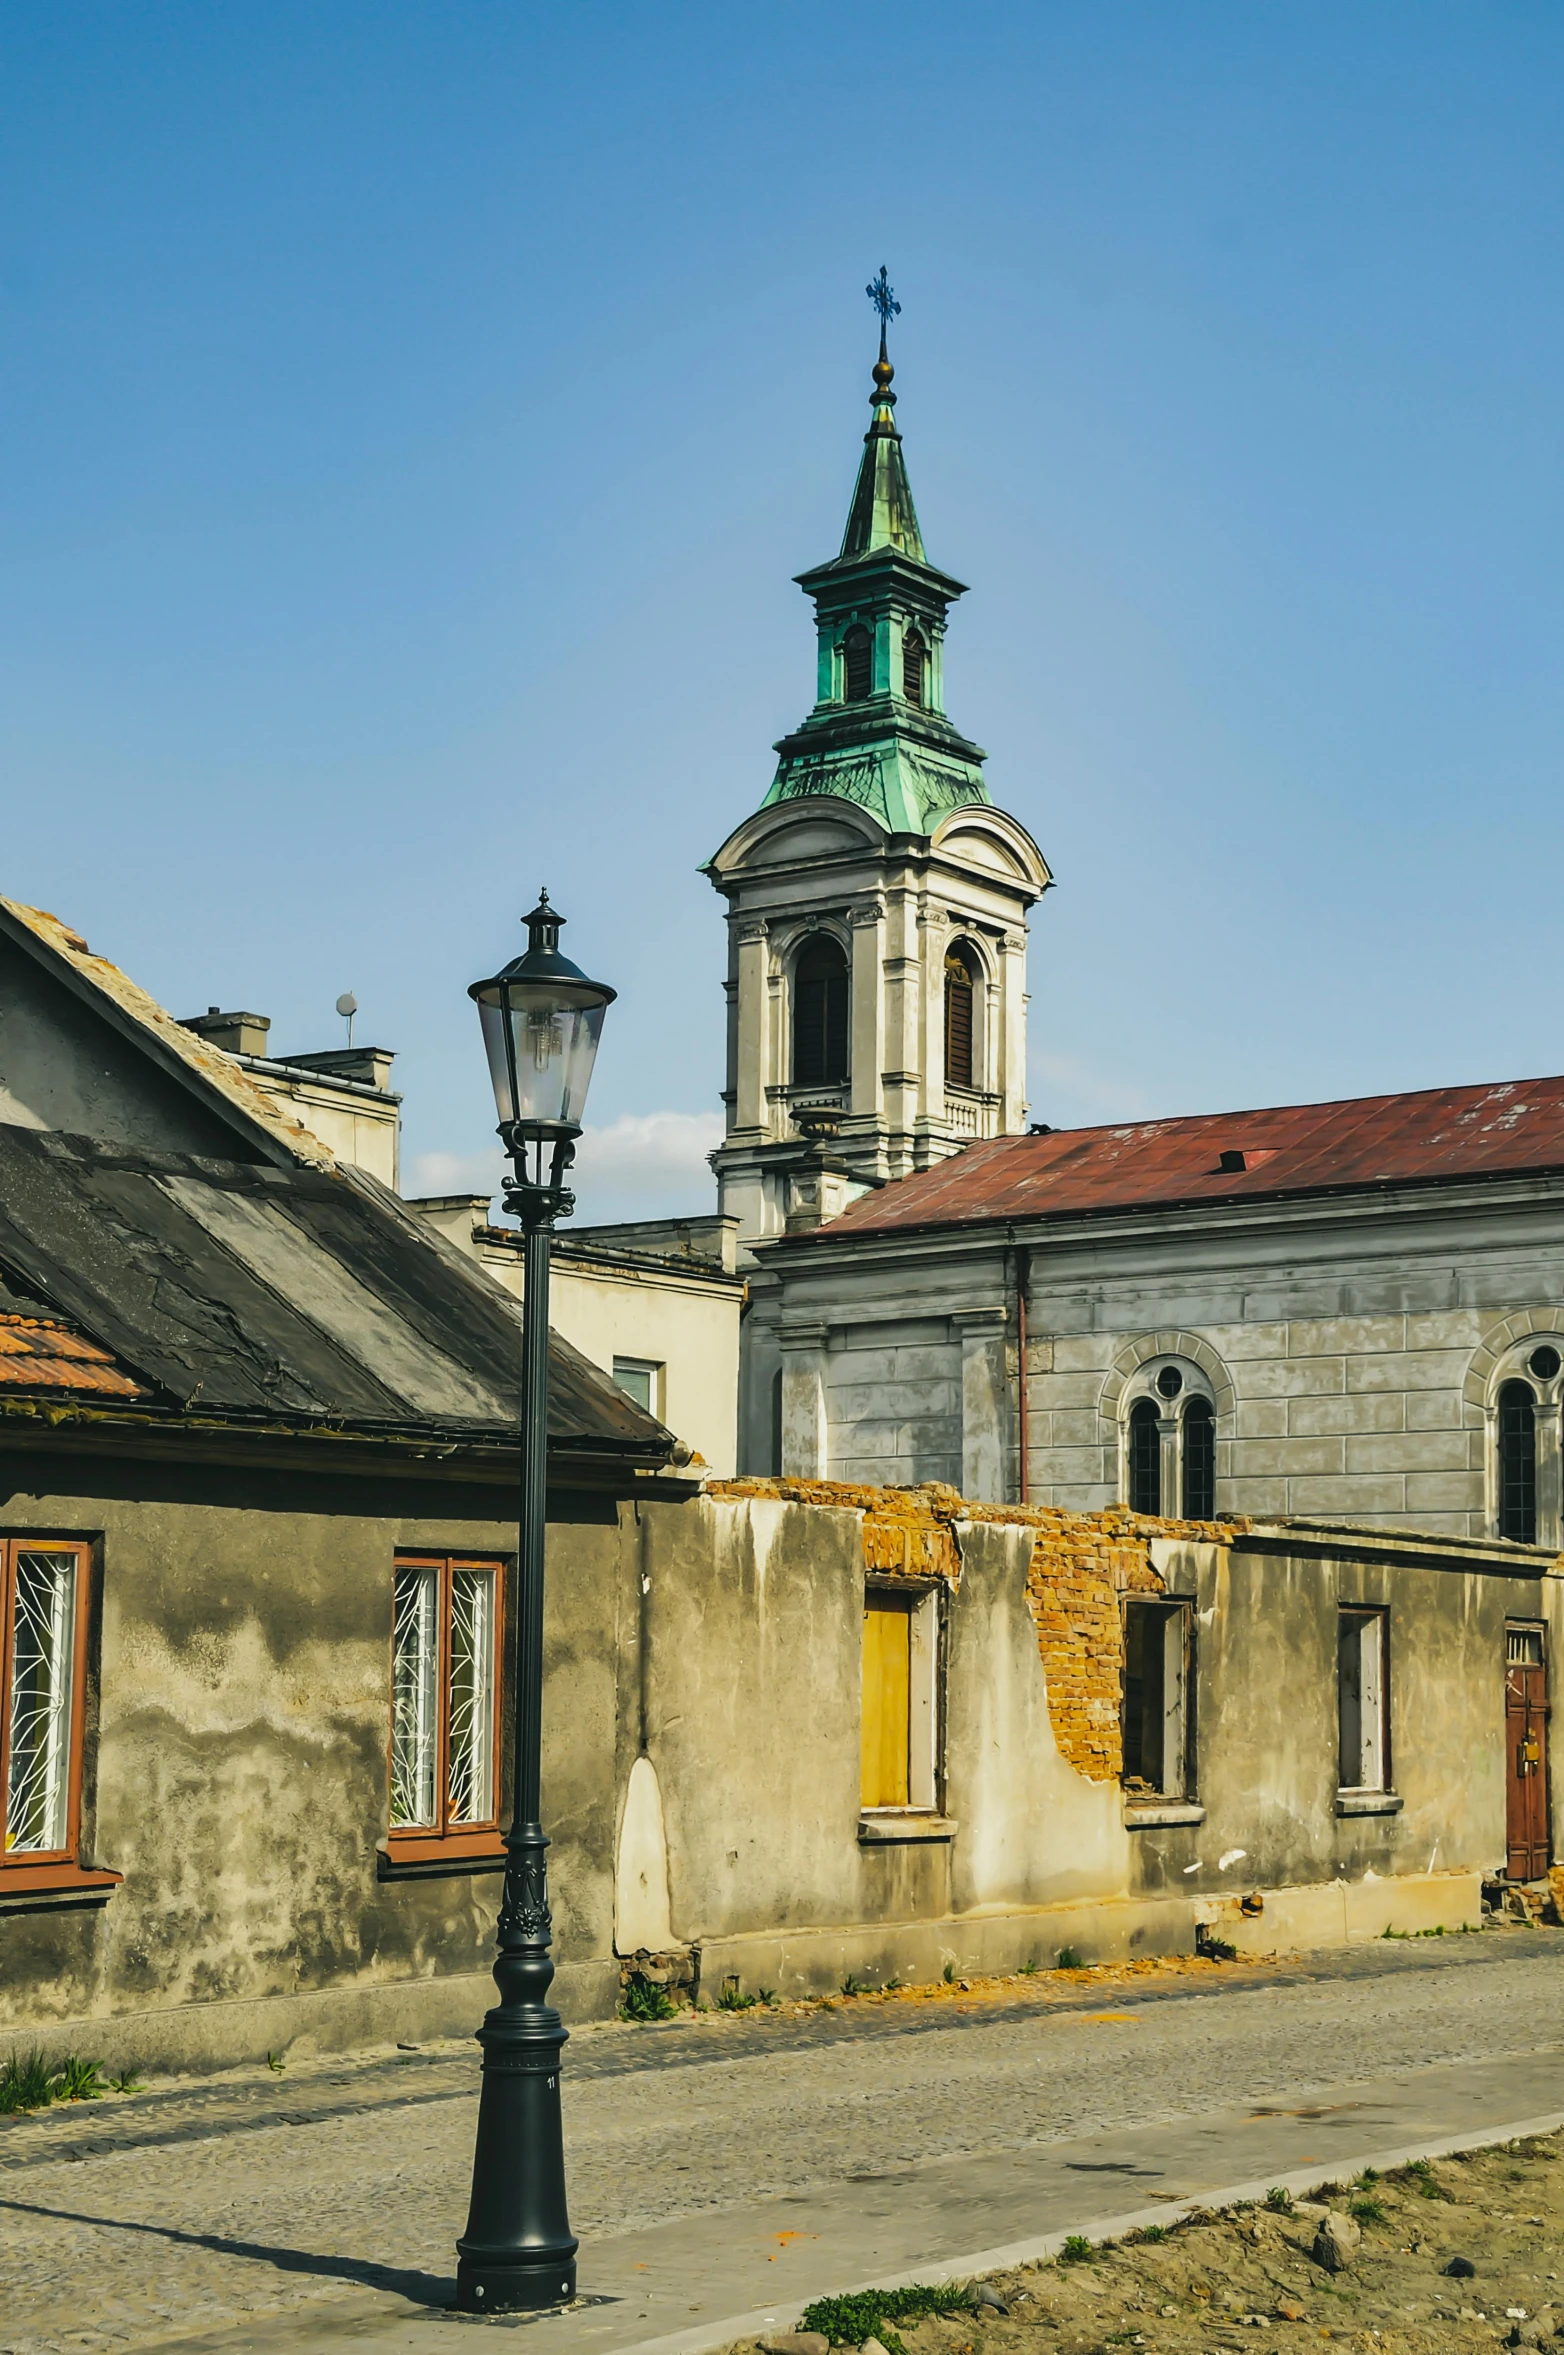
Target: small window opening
{"points": [[1145, 1453], [959, 996], [1154, 1712], [857, 663], [914, 656], [1360, 1693], [1199, 1460], [1544, 1362], [1523, 1647], [820, 1014], [642, 1379], [1170, 1381], [1517, 1438]]}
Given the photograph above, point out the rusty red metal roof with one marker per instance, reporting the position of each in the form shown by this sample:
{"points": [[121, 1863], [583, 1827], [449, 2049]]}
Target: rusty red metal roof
{"points": [[1514, 1128], [38, 1354]]}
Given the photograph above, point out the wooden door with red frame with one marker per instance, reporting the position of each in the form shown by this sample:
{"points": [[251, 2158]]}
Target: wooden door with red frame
{"points": [[1526, 1754]]}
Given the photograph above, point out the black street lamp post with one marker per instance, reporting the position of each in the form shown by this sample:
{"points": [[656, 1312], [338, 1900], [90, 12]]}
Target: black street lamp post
{"points": [[542, 1019]]}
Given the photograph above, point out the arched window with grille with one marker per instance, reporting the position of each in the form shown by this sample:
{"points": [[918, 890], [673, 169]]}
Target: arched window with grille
{"points": [[857, 664], [1517, 1438], [1199, 1460], [1145, 1453], [914, 660], [960, 1001], [820, 998]]}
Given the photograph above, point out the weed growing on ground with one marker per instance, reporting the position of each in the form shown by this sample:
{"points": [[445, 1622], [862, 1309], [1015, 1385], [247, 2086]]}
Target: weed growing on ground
{"points": [[126, 2082], [1368, 2211], [276, 2063], [1153, 2232], [1070, 1959], [26, 2083], [643, 2001], [29, 2081], [78, 2080], [1028, 1968], [768, 1996], [1418, 2176], [1279, 2198], [852, 1985], [1077, 2248], [871, 2314], [729, 1999], [893, 1985], [948, 1974]]}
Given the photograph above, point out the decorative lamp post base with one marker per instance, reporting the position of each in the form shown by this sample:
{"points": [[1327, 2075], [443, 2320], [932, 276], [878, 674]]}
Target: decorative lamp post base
{"points": [[518, 2249]]}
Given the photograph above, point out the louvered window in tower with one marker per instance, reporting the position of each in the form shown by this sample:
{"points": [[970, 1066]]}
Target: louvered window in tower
{"points": [[1517, 1437], [820, 1015], [959, 995], [914, 656], [857, 664]]}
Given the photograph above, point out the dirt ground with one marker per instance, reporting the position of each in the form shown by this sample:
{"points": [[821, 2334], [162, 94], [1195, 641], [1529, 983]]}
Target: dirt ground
{"points": [[1248, 2277]]}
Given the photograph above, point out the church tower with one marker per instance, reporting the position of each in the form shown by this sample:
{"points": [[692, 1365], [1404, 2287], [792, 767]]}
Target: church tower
{"points": [[877, 899]]}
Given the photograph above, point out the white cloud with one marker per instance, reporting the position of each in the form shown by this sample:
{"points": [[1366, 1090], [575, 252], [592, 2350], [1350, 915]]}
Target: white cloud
{"points": [[648, 1165], [643, 1165]]}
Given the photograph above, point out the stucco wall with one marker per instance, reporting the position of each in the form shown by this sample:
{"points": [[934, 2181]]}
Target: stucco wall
{"points": [[1265, 1741], [709, 1653], [238, 1776]]}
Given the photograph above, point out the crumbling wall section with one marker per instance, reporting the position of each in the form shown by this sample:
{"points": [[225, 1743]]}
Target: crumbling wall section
{"points": [[1082, 1566]]}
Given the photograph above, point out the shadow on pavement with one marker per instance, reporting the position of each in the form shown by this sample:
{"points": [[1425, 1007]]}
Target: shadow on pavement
{"points": [[432, 2290]]}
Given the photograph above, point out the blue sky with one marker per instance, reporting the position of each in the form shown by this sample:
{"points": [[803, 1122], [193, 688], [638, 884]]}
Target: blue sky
{"points": [[411, 418]]}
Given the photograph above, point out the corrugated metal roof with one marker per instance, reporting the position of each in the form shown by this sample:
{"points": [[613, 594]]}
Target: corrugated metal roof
{"points": [[1509, 1129], [236, 1289]]}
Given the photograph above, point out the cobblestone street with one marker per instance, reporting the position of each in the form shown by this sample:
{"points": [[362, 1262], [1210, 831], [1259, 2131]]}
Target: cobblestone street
{"points": [[196, 2205]]}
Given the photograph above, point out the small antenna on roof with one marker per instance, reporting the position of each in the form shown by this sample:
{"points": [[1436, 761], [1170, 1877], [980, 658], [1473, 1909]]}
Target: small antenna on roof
{"points": [[347, 1007]]}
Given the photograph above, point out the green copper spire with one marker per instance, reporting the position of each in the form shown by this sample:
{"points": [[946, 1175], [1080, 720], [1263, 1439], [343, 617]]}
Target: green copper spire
{"points": [[878, 734], [882, 514]]}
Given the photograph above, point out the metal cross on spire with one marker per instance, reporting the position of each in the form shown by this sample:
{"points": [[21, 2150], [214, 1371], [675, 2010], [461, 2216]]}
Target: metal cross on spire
{"points": [[881, 294]]}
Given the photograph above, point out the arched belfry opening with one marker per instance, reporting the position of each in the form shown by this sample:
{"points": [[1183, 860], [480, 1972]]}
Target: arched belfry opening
{"points": [[962, 979], [821, 996]]}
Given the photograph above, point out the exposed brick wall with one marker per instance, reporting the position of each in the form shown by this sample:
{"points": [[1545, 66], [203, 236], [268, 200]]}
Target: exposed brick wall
{"points": [[1081, 1565]]}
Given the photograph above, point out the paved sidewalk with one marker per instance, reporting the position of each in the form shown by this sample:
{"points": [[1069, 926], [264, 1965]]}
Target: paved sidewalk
{"points": [[740, 2166], [680, 2289]]}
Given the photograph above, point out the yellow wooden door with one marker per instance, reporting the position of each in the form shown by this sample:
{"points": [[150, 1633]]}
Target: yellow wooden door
{"points": [[887, 1674]]}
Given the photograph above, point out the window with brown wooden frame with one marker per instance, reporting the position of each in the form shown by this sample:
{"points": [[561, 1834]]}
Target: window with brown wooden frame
{"points": [[43, 1677], [445, 1744]]}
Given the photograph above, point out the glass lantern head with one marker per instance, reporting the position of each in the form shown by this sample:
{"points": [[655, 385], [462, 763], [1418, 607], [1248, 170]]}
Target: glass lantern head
{"points": [[542, 1019]]}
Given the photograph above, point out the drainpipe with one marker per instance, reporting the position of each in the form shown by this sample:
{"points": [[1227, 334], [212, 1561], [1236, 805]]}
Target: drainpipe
{"points": [[1023, 1280]]}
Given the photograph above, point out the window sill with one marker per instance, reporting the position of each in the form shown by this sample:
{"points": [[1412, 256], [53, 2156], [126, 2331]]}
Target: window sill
{"points": [[433, 1860], [1145, 1816], [1369, 1803], [25, 1887], [896, 1827]]}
